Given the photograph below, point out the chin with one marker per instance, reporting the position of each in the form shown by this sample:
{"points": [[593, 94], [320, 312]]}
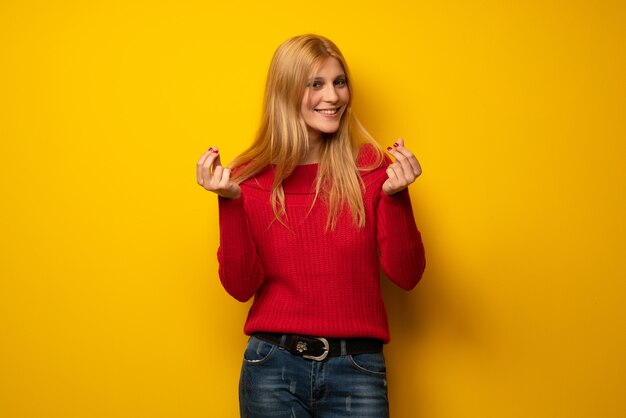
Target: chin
{"points": [[330, 131]]}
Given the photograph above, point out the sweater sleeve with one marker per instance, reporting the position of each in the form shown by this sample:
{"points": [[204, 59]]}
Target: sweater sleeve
{"points": [[240, 268], [399, 241]]}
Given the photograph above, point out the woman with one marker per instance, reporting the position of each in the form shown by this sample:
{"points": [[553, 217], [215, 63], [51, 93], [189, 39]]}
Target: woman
{"points": [[309, 214]]}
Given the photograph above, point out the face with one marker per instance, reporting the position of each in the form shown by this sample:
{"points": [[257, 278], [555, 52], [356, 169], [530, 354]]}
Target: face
{"points": [[325, 98]]}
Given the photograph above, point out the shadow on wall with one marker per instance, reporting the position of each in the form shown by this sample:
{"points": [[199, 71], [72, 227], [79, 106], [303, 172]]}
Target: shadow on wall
{"points": [[437, 311]]}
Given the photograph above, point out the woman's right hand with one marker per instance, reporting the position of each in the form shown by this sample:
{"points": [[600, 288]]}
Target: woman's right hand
{"points": [[215, 178]]}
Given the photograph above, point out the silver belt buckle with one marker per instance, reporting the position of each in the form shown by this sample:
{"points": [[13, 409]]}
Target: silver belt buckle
{"points": [[323, 355]]}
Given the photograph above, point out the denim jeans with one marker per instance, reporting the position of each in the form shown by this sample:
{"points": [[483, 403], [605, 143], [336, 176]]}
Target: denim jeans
{"points": [[274, 383]]}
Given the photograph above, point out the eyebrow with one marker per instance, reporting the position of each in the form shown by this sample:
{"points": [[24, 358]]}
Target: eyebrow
{"points": [[322, 78]]}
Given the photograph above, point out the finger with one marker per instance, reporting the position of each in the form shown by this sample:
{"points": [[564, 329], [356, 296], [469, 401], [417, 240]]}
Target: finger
{"points": [[217, 171], [206, 169], [228, 188], [391, 174], [388, 184], [217, 162], [225, 180], [407, 170], [416, 168], [201, 164], [399, 146], [393, 184], [401, 177], [395, 153], [216, 177], [399, 180], [205, 155], [398, 151], [412, 163]]}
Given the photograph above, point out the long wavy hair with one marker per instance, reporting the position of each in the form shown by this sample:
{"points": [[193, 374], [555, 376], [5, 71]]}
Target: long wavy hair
{"points": [[282, 138]]}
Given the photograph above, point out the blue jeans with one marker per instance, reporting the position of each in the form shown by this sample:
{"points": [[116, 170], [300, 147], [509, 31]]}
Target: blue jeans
{"points": [[274, 383]]}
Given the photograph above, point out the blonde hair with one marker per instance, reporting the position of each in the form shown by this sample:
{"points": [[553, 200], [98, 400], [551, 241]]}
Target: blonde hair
{"points": [[282, 138]]}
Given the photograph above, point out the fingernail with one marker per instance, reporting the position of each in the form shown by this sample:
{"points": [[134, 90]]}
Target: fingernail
{"points": [[211, 149], [395, 144], [389, 148]]}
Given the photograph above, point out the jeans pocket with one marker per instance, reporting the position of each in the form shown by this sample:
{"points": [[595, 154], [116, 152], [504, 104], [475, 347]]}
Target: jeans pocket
{"points": [[372, 363], [258, 351]]}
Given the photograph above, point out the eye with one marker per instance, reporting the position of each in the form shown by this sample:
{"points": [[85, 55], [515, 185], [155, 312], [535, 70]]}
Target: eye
{"points": [[315, 84], [341, 82]]}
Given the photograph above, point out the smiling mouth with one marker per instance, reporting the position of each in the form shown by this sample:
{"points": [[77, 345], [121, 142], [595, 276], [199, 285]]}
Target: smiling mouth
{"points": [[327, 111]]}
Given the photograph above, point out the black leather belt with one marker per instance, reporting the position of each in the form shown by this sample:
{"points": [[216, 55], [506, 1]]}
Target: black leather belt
{"points": [[318, 348]]}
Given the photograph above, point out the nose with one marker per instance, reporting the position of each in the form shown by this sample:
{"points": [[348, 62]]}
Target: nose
{"points": [[330, 94]]}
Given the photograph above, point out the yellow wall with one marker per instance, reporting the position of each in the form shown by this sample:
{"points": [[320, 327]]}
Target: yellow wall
{"points": [[110, 305]]}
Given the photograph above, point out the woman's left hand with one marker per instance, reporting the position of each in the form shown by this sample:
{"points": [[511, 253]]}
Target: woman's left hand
{"points": [[403, 171]]}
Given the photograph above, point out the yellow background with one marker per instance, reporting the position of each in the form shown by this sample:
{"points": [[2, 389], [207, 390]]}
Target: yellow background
{"points": [[110, 305]]}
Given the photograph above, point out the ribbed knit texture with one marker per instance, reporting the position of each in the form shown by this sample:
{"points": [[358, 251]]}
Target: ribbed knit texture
{"points": [[305, 279]]}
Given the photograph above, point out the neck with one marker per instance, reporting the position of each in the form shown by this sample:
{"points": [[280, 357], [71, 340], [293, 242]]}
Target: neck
{"points": [[313, 156]]}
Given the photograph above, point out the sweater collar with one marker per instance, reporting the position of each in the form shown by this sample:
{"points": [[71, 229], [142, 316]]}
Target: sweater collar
{"points": [[301, 180]]}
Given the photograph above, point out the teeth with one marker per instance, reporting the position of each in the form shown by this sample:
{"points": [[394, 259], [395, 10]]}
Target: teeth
{"points": [[327, 111]]}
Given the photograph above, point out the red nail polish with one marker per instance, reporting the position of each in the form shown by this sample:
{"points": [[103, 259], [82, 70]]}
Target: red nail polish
{"points": [[395, 144], [389, 148]]}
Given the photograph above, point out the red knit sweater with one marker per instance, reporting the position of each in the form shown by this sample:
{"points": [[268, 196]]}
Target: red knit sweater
{"points": [[310, 281]]}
